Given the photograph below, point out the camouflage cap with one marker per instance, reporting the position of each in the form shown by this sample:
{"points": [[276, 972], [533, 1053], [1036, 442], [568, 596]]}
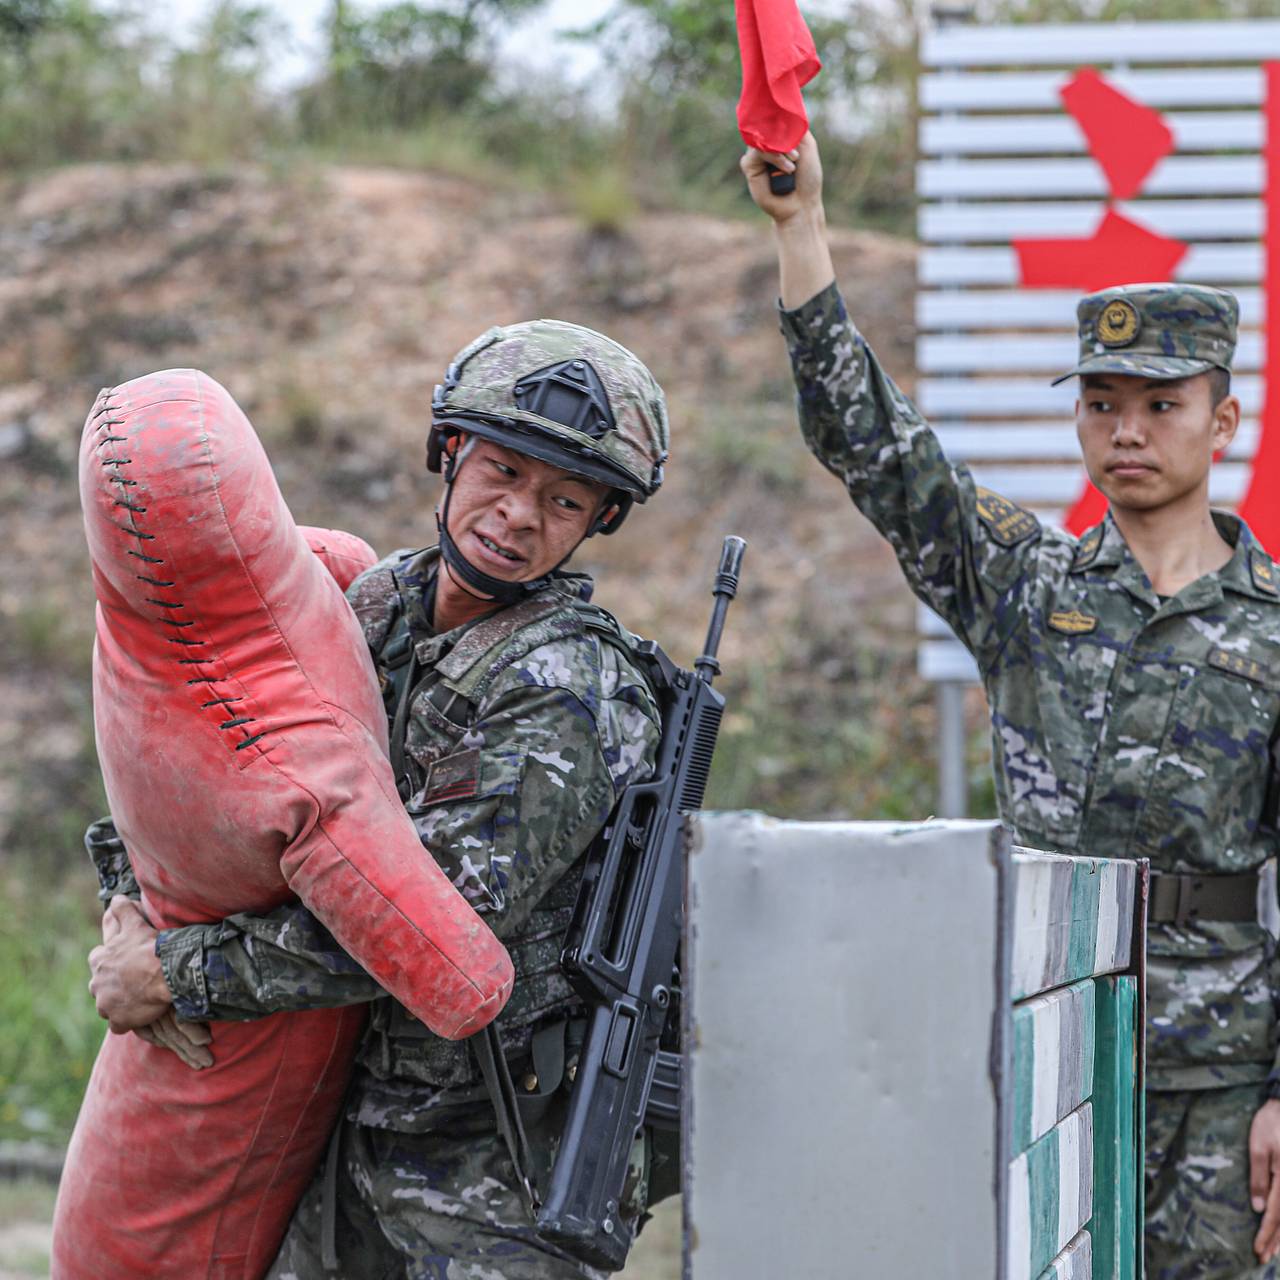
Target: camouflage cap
{"points": [[1156, 330], [564, 394]]}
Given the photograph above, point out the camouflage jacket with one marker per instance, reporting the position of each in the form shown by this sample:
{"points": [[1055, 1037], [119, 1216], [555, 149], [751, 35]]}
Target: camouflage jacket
{"points": [[1122, 725], [522, 731]]}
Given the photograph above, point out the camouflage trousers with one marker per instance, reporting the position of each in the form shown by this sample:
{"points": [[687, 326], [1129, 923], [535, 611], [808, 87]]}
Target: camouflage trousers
{"points": [[1200, 1225], [432, 1206]]}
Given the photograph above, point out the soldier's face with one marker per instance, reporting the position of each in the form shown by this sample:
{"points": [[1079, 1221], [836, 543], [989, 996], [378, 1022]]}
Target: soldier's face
{"points": [[514, 517], [1148, 443]]}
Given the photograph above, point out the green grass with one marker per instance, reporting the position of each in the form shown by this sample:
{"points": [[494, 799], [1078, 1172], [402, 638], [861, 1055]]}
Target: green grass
{"points": [[799, 747], [51, 1030]]}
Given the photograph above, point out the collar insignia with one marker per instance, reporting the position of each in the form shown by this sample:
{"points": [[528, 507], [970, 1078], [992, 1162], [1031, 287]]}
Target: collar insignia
{"points": [[1073, 623], [1087, 548], [1264, 573]]}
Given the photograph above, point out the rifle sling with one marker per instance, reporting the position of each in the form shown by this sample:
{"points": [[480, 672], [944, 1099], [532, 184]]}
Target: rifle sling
{"points": [[329, 1202], [502, 1092], [400, 726]]}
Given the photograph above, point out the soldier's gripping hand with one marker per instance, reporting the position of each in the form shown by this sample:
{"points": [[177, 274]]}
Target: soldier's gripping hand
{"points": [[128, 983], [799, 223], [189, 1040], [804, 162], [1264, 1178]]}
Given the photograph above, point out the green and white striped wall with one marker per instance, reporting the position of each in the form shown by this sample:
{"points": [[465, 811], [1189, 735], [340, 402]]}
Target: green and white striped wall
{"points": [[1072, 1077]]}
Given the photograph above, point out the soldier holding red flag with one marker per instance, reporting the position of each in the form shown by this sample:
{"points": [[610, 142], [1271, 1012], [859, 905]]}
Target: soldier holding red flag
{"points": [[1133, 676]]}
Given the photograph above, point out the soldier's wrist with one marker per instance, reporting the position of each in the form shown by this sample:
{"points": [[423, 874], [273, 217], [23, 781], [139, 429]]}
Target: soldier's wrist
{"points": [[182, 960]]}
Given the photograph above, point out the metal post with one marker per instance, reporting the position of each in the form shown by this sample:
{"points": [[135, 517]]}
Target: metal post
{"points": [[953, 784]]}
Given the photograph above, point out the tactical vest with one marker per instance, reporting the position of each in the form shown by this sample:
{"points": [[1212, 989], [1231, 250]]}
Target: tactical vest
{"points": [[434, 691]]}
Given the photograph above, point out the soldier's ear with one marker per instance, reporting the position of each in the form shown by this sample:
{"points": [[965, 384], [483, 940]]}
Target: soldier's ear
{"points": [[1226, 422]]}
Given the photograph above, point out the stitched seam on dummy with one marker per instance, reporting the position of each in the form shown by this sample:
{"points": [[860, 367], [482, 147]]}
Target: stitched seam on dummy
{"points": [[105, 412]]}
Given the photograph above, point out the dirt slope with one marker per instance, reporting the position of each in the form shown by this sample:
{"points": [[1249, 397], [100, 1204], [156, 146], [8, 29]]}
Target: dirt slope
{"points": [[329, 301]]}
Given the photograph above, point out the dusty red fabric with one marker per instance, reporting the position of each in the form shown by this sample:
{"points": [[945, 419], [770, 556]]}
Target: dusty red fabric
{"points": [[342, 553], [243, 745], [778, 60]]}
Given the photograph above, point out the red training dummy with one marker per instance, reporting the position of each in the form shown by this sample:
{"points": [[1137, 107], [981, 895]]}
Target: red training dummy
{"points": [[243, 744]]}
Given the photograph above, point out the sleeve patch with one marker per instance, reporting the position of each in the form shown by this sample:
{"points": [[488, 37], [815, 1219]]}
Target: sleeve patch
{"points": [[456, 777], [1007, 522]]}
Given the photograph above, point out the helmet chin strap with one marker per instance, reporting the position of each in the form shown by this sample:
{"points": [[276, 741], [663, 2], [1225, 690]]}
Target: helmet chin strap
{"points": [[479, 583]]}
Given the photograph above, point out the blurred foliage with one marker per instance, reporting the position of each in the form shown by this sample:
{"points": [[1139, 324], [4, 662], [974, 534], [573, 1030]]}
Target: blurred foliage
{"points": [[395, 67], [422, 85], [678, 63], [811, 735], [52, 1032], [80, 81]]}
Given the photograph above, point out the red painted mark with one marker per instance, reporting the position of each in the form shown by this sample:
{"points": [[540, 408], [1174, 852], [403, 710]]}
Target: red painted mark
{"points": [[1120, 251], [1127, 139], [1261, 505]]}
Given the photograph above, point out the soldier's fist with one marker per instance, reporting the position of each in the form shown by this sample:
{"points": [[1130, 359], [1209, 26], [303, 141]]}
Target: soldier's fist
{"points": [[127, 983], [804, 162]]}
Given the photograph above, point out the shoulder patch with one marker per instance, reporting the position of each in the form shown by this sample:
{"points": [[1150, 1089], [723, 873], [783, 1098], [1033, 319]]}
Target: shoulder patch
{"points": [[1239, 665], [1008, 523], [1073, 623], [1263, 571], [456, 777], [1087, 548]]}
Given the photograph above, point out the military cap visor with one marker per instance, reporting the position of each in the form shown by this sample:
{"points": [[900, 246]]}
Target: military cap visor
{"points": [[1166, 368], [546, 446]]}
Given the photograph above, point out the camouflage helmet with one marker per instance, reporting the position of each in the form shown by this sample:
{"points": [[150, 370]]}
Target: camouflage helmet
{"points": [[560, 393]]}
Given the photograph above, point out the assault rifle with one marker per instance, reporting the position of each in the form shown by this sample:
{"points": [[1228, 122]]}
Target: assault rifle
{"points": [[621, 956]]}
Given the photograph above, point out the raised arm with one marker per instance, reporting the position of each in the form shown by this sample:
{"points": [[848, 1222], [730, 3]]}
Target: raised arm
{"points": [[964, 550]]}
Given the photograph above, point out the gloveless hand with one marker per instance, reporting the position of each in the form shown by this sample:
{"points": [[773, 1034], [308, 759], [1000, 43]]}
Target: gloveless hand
{"points": [[1264, 1178], [127, 985], [189, 1040], [804, 162]]}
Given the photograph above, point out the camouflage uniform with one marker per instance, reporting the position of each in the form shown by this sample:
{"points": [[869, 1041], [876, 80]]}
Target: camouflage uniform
{"points": [[521, 735], [1122, 724]]}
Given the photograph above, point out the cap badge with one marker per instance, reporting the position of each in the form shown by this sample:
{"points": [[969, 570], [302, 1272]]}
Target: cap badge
{"points": [[1118, 324]]}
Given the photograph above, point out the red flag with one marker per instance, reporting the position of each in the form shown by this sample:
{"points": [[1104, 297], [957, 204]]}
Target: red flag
{"points": [[778, 60]]}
